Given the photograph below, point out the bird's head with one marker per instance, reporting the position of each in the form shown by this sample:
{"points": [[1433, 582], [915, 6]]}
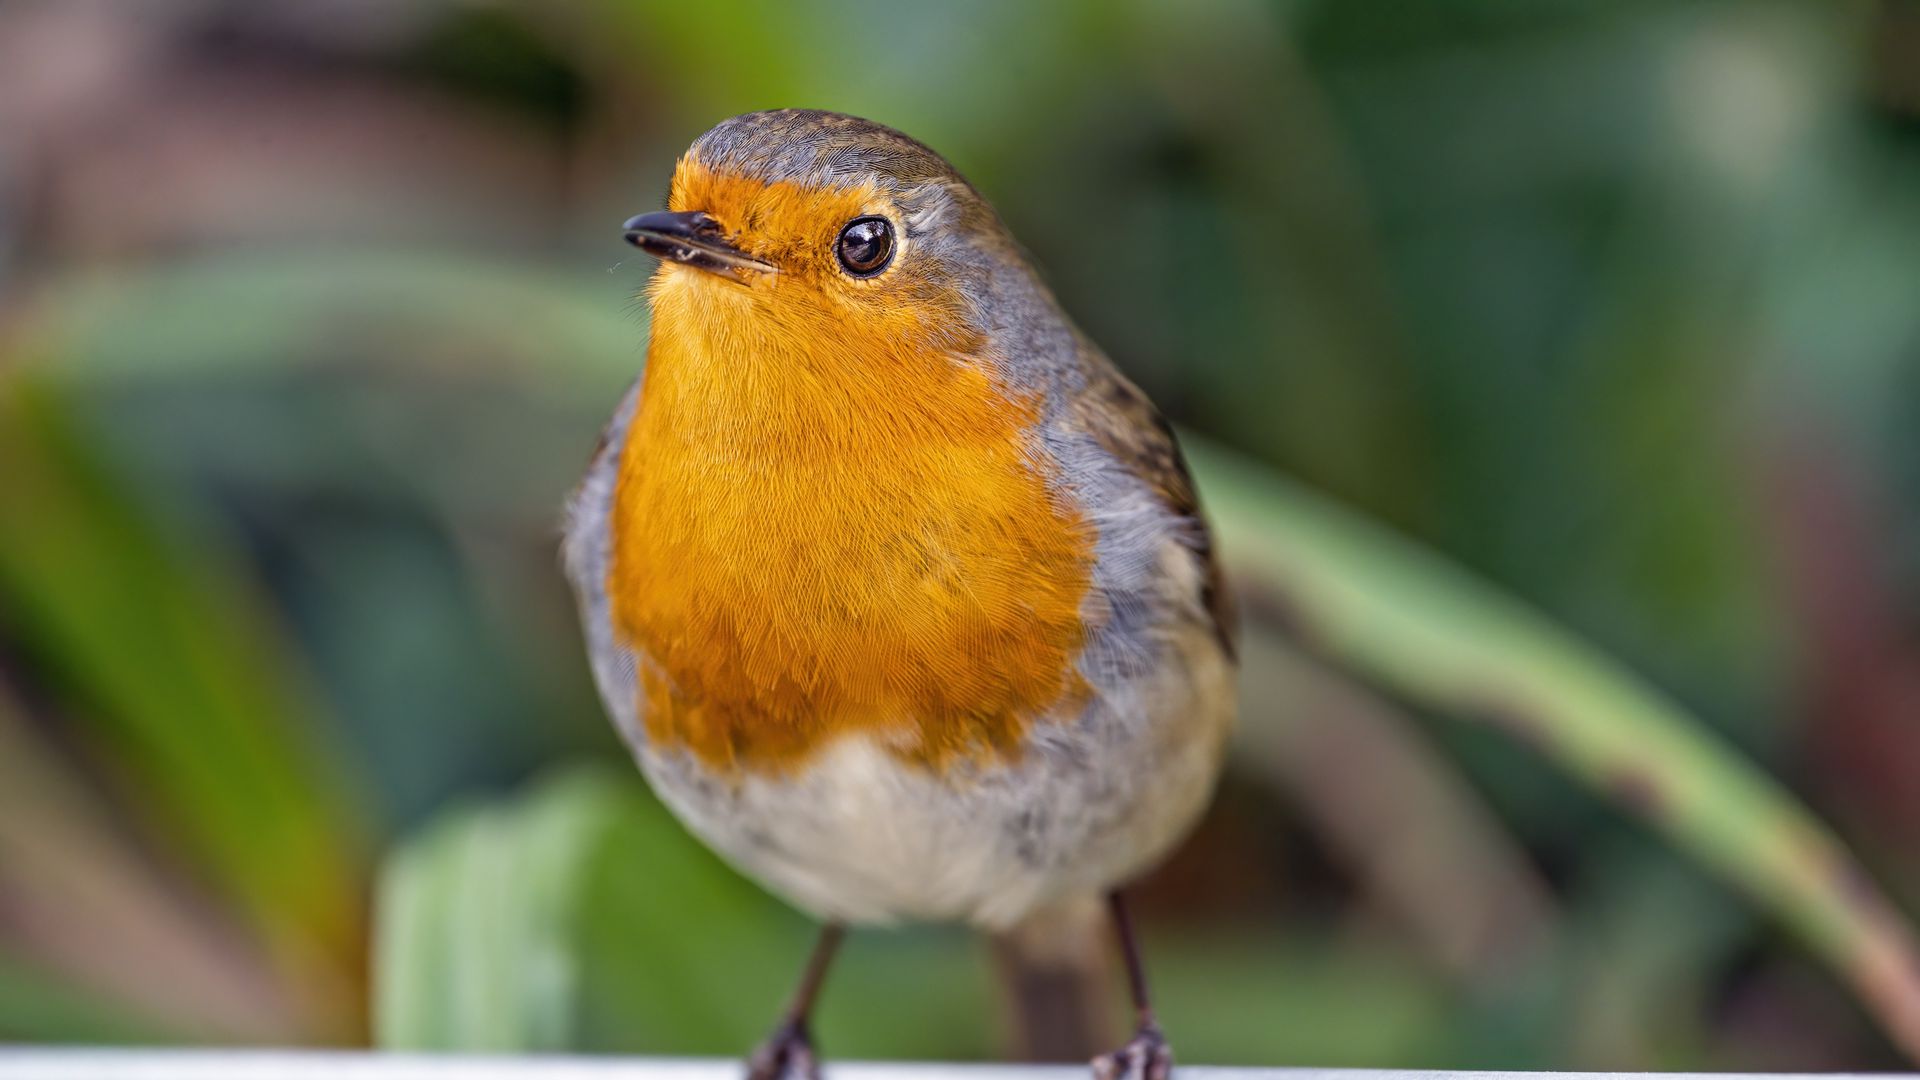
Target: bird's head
{"points": [[829, 234]]}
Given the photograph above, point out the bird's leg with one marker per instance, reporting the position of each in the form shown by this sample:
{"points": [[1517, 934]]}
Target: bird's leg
{"points": [[1147, 1055], [788, 1052]]}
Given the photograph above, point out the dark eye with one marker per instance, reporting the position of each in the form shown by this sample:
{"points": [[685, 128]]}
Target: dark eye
{"points": [[866, 246]]}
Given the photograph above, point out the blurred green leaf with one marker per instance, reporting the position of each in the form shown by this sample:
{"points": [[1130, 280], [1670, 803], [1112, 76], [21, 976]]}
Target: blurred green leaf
{"points": [[184, 690], [473, 946], [1360, 599], [284, 308]]}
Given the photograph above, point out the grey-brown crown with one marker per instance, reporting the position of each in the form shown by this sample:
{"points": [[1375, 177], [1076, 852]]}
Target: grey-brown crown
{"points": [[819, 147]]}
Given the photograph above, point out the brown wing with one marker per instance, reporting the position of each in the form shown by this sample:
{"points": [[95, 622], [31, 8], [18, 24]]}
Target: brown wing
{"points": [[1128, 426]]}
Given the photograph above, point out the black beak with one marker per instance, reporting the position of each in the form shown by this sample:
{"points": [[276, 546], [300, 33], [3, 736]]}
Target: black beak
{"points": [[694, 238]]}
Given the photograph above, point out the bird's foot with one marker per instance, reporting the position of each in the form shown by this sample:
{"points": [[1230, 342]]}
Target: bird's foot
{"points": [[786, 1055], [1146, 1057]]}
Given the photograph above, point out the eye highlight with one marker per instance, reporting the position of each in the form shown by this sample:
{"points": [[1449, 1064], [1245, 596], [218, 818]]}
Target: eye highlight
{"points": [[865, 246]]}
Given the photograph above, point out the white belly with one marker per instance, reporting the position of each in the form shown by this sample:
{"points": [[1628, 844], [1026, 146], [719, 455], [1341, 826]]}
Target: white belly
{"points": [[859, 836]]}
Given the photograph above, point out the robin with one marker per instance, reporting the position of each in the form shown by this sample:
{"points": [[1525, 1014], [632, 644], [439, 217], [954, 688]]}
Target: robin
{"points": [[897, 588]]}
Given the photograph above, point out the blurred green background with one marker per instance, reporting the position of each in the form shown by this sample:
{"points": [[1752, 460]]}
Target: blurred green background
{"points": [[1599, 318]]}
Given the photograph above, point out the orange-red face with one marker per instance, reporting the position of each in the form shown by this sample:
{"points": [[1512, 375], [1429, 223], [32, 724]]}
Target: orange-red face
{"points": [[826, 259]]}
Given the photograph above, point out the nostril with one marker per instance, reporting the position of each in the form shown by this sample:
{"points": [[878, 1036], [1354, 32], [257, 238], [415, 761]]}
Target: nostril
{"points": [[705, 225]]}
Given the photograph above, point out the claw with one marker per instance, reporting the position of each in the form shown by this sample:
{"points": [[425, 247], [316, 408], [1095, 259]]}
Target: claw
{"points": [[786, 1055], [1146, 1057]]}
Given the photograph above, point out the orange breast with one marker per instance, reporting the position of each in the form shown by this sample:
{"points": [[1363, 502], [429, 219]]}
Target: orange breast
{"points": [[814, 536]]}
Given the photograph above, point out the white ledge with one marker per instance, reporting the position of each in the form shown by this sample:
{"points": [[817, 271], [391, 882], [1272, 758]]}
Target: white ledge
{"points": [[30, 1063]]}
